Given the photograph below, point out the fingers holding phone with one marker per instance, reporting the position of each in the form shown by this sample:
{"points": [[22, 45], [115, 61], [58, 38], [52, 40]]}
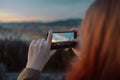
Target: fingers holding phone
{"points": [[76, 49]]}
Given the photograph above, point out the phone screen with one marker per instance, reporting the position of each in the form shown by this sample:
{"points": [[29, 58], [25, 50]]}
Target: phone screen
{"points": [[63, 36]]}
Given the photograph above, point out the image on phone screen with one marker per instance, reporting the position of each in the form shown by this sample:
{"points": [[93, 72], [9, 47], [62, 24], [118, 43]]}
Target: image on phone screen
{"points": [[62, 37]]}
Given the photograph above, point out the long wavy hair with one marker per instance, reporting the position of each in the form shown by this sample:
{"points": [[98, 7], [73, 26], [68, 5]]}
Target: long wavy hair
{"points": [[100, 44]]}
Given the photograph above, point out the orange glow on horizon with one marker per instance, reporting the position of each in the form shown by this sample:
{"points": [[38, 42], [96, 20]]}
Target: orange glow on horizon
{"points": [[4, 17]]}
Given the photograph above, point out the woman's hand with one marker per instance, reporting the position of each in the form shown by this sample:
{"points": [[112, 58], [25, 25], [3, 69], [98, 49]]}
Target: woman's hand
{"points": [[39, 53], [76, 49]]}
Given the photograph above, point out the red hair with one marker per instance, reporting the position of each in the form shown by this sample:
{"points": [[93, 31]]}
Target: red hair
{"points": [[100, 33]]}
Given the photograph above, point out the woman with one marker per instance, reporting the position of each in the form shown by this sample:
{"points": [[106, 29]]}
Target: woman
{"points": [[100, 42]]}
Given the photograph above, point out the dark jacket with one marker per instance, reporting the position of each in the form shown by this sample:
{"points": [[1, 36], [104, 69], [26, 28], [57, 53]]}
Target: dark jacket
{"points": [[29, 74]]}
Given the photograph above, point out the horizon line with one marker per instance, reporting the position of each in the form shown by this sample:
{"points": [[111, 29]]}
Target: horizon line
{"points": [[40, 21]]}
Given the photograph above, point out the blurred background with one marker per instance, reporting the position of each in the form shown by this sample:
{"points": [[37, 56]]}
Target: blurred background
{"points": [[24, 20]]}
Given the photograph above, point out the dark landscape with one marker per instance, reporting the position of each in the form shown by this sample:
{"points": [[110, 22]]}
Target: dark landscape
{"points": [[15, 39], [31, 30]]}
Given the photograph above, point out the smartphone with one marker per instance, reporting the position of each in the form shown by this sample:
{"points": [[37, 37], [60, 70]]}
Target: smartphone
{"points": [[63, 40]]}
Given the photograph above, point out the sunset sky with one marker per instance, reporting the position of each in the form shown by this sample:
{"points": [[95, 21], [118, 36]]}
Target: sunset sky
{"points": [[42, 10]]}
